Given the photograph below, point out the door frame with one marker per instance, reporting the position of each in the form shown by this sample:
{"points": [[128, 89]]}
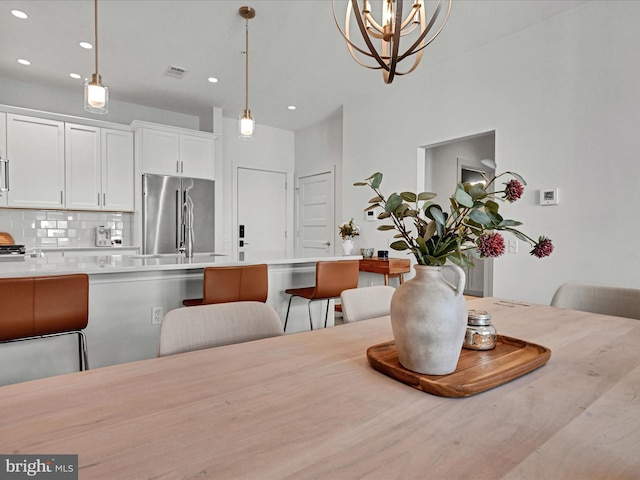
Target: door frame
{"points": [[331, 170]]}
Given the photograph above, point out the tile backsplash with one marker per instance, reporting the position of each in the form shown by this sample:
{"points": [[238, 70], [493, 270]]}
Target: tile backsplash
{"points": [[51, 228]]}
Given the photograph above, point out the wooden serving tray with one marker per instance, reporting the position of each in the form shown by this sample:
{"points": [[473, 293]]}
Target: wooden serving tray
{"points": [[477, 371]]}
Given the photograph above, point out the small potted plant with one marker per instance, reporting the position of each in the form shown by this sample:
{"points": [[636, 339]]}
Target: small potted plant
{"points": [[347, 231]]}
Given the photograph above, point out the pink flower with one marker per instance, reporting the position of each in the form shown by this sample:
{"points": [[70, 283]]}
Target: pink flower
{"points": [[490, 245], [543, 248], [513, 191]]}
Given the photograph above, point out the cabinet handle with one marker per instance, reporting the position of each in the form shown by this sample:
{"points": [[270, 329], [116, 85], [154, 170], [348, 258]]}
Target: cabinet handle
{"points": [[178, 166], [98, 199], [6, 174], [181, 166], [61, 197], [104, 199]]}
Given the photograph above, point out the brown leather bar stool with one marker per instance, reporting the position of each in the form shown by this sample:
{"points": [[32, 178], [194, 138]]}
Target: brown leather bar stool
{"points": [[331, 279], [39, 307], [242, 283]]}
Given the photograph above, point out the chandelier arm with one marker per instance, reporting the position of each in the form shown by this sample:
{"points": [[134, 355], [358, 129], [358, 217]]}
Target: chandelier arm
{"points": [[412, 50], [414, 10], [418, 57], [373, 53], [389, 73], [352, 46], [373, 22]]}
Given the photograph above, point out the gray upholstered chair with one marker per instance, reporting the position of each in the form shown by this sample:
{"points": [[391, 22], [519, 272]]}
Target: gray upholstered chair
{"points": [[205, 326], [366, 302], [616, 301]]}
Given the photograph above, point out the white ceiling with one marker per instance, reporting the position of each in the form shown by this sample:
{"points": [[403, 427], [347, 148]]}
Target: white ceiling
{"points": [[297, 55]]}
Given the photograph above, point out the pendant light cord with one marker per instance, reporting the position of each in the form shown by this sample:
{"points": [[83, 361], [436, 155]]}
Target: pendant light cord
{"points": [[246, 65], [95, 10]]}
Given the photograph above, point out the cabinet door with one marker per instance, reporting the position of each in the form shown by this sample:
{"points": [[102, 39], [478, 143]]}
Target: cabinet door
{"points": [[160, 152], [117, 170], [35, 148], [3, 160], [82, 150], [196, 157]]}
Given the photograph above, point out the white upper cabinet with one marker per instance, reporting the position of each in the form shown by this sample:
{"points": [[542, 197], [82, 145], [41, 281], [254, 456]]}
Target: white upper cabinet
{"points": [[35, 151], [3, 159], [99, 168], [117, 170], [174, 151], [82, 151]]}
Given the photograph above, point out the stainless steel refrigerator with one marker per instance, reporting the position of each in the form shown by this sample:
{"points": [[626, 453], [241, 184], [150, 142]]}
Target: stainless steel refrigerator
{"points": [[169, 205]]}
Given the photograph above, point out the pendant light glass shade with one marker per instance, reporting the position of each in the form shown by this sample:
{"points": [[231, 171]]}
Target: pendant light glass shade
{"points": [[247, 126], [247, 123], [96, 95]]}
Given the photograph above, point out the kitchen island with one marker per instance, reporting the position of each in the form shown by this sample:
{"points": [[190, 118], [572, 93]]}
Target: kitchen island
{"points": [[124, 290]]}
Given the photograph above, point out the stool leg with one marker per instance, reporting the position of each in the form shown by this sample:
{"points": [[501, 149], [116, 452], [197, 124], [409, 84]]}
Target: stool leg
{"points": [[309, 308], [82, 348], [326, 314], [287, 317]]}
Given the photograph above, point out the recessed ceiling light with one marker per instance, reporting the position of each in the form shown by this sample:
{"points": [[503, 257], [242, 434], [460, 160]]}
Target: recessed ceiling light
{"points": [[75, 75], [19, 14], [86, 45], [291, 107], [212, 80], [22, 61]]}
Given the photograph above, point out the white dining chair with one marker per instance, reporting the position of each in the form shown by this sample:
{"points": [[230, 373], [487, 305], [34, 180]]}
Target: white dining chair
{"points": [[205, 326], [366, 302], [616, 301]]}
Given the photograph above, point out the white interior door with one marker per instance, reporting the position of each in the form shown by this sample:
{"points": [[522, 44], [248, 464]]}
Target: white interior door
{"points": [[262, 212], [315, 216]]}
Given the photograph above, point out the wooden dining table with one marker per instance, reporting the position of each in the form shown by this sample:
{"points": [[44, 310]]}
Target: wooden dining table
{"points": [[309, 406]]}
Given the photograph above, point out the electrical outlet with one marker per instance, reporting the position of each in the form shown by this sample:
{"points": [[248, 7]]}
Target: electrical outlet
{"points": [[156, 315], [513, 246]]}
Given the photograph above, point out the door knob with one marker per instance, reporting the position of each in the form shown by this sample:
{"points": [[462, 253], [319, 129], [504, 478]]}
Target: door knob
{"points": [[327, 244]]}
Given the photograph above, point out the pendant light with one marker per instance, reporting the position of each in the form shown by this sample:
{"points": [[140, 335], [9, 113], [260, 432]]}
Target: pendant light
{"points": [[389, 32], [96, 95], [247, 123]]}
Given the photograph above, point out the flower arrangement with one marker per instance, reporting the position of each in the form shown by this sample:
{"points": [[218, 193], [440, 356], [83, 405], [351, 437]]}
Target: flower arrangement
{"points": [[469, 230], [348, 230]]}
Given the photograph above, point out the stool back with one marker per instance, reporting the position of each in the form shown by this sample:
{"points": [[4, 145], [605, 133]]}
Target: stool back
{"points": [[242, 283], [332, 278]]}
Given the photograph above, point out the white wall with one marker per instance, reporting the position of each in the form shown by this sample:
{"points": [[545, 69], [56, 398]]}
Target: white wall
{"points": [[46, 99], [318, 149], [272, 150], [563, 99]]}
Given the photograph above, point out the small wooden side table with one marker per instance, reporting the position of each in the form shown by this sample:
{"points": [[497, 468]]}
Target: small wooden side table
{"points": [[389, 267]]}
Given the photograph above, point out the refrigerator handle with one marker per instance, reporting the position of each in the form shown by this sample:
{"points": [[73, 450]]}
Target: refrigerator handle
{"points": [[178, 220]]}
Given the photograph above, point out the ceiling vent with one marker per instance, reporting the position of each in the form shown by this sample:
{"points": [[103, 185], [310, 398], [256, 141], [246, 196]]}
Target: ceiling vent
{"points": [[176, 72]]}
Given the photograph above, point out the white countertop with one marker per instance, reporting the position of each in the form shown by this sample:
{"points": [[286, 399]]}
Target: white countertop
{"points": [[109, 262]]}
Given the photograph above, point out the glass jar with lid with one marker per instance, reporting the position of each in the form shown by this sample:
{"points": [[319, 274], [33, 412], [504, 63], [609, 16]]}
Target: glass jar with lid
{"points": [[481, 335]]}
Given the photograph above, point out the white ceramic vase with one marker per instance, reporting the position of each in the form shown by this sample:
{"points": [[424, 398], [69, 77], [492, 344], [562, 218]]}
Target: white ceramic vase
{"points": [[347, 246], [429, 320]]}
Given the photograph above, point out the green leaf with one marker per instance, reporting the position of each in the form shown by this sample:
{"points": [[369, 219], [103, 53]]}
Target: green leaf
{"points": [[376, 180], [360, 184], [430, 230], [399, 245], [477, 192], [376, 199], [491, 206], [463, 198], [518, 177], [436, 214], [426, 196], [509, 223], [400, 211], [384, 215], [371, 207], [386, 227], [480, 217], [393, 202], [409, 197]]}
